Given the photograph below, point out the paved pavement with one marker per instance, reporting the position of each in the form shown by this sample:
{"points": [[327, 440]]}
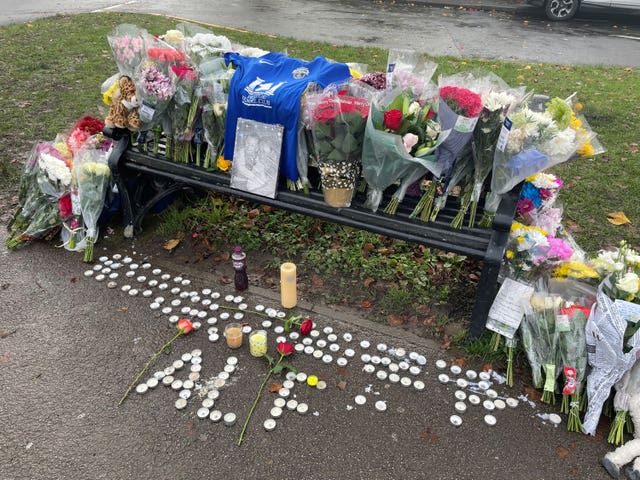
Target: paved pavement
{"points": [[69, 346]]}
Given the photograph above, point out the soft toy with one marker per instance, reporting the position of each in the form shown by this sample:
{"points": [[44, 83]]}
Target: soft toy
{"points": [[124, 106]]}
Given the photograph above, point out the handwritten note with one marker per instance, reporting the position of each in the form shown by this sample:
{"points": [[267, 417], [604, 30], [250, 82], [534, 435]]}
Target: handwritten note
{"points": [[629, 311], [507, 309]]}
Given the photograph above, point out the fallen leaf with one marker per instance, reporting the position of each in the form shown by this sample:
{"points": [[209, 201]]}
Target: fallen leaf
{"points": [[171, 244], [533, 394], [459, 361], [75, 280], [365, 304], [24, 104], [486, 367], [386, 251], [254, 213], [317, 281], [368, 281], [446, 343], [343, 371], [429, 436], [226, 279], [429, 321], [223, 257], [123, 309], [562, 452], [618, 218], [367, 247], [395, 320], [275, 387], [342, 385], [572, 226]]}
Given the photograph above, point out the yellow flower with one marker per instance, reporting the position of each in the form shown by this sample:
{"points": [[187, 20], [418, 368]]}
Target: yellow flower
{"points": [[586, 150], [108, 95], [63, 149], [578, 106], [223, 164], [575, 122], [510, 255], [575, 270], [354, 73]]}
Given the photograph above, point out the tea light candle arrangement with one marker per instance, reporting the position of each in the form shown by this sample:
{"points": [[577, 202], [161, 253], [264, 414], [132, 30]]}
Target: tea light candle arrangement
{"points": [[388, 364]]}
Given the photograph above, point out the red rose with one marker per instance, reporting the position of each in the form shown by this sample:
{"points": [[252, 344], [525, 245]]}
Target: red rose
{"points": [[306, 327], [325, 111], [285, 349], [64, 204], [393, 119], [184, 326]]}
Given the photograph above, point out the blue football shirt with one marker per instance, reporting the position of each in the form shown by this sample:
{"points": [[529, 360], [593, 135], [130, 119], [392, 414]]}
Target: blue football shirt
{"points": [[268, 89]]}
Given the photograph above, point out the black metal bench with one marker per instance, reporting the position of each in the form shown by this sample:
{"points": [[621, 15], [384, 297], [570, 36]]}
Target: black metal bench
{"points": [[157, 177]]}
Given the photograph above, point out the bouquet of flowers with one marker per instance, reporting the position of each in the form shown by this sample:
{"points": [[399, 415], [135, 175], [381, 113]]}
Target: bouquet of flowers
{"points": [[92, 175], [458, 112], [127, 44], [613, 343], [201, 44], [540, 340], [153, 81], [400, 138], [536, 203], [495, 103], [183, 109], [532, 252], [45, 179], [214, 91], [536, 140], [337, 124], [570, 325]]}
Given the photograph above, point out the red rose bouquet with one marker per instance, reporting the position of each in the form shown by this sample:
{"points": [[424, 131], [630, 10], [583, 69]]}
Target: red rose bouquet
{"points": [[458, 111], [337, 124], [400, 139]]}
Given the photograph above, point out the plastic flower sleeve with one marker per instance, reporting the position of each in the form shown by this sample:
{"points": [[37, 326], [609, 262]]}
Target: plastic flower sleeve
{"points": [[201, 44], [154, 85], [337, 123], [385, 160], [608, 355], [411, 71], [38, 210], [127, 44], [92, 175], [532, 141]]}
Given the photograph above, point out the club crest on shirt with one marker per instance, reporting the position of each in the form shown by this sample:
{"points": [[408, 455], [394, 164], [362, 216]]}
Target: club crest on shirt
{"points": [[300, 72]]}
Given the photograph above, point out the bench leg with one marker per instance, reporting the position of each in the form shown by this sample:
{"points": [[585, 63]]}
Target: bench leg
{"points": [[487, 289]]}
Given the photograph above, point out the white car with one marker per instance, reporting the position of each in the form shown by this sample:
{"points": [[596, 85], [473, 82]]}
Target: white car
{"points": [[566, 9]]}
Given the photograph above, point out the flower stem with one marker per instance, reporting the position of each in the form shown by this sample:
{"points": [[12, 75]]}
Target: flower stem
{"points": [[616, 434], [392, 206], [574, 424], [88, 250], [255, 403], [146, 367], [473, 209], [509, 380]]}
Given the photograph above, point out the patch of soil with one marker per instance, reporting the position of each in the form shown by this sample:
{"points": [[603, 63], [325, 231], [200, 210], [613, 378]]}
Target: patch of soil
{"points": [[438, 321]]}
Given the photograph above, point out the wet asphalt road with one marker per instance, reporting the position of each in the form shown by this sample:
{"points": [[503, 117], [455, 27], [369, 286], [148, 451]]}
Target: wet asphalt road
{"points": [[70, 346], [525, 35]]}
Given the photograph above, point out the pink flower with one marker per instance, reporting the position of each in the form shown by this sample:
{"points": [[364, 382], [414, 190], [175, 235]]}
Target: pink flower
{"points": [[558, 249], [525, 205], [409, 141]]}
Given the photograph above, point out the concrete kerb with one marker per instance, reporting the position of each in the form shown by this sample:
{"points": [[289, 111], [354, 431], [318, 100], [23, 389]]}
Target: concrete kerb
{"points": [[506, 6]]}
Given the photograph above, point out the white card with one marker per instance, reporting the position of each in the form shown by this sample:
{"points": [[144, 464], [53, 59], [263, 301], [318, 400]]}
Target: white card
{"points": [[507, 309]]}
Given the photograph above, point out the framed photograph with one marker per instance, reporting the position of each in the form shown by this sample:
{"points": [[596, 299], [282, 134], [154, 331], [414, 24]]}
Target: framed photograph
{"points": [[256, 157]]}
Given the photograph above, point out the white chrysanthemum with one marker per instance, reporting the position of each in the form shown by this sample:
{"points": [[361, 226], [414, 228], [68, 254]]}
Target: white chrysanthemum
{"points": [[609, 261], [173, 36], [562, 144], [207, 43], [517, 137], [55, 168], [493, 101], [252, 52], [544, 180], [628, 283]]}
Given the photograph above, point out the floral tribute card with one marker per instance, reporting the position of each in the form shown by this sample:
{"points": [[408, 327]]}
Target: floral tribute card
{"points": [[256, 157]]}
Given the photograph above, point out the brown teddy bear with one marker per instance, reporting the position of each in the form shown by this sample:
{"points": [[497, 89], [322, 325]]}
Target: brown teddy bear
{"points": [[124, 106]]}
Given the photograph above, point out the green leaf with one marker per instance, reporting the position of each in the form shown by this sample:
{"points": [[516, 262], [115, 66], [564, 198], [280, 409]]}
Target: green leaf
{"points": [[289, 367], [336, 156], [278, 368]]}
